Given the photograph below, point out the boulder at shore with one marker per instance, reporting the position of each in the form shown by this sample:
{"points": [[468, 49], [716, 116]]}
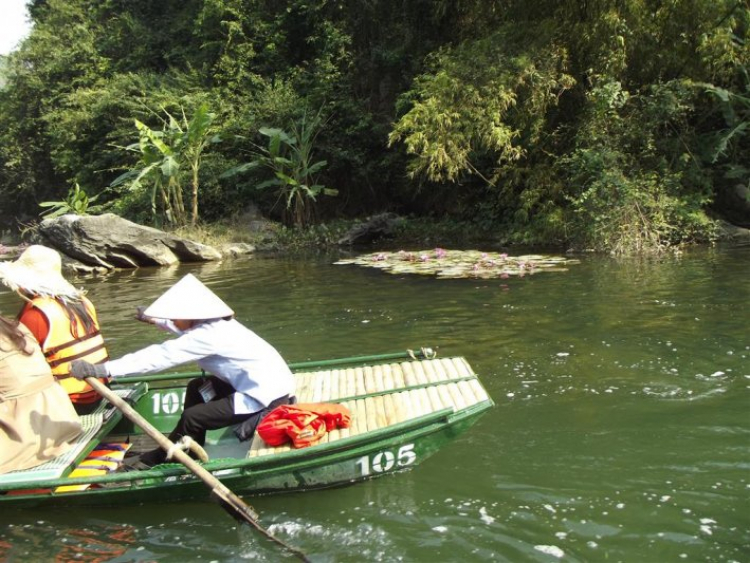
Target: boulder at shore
{"points": [[373, 228], [108, 241]]}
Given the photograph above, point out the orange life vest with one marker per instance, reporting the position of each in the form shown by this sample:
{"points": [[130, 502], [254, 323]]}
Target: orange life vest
{"points": [[62, 346], [304, 424]]}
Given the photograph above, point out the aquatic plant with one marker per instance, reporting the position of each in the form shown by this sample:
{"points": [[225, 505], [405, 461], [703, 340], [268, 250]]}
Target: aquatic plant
{"points": [[452, 264]]}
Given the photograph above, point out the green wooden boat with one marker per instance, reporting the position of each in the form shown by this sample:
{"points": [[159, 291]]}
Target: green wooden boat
{"points": [[404, 407]]}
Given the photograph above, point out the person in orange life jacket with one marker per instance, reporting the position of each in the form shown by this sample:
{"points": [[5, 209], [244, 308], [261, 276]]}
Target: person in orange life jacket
{"points": [[37, 420], [60, 317], [248, 377]]}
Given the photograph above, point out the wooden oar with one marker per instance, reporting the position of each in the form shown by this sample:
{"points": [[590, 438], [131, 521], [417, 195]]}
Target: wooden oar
{"points": [[233, 504]]}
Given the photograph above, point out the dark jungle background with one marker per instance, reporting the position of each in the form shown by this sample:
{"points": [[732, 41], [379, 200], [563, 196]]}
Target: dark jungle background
{"points": [[615, 125]]}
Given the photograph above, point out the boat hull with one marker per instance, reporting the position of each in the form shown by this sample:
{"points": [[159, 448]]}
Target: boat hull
{"points": [[402, 413], [300, 470]]}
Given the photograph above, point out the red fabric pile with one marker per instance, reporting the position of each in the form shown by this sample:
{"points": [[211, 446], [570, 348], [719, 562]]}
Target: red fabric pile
{"points": [[303, 424]]}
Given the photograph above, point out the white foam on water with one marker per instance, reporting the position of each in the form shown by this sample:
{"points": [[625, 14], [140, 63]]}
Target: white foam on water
{"points": [[484, 517], [552, 550]]}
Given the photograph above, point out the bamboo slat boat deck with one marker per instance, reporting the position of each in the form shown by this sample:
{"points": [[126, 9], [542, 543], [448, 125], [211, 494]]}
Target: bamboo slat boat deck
{"points": [[387, 394]]}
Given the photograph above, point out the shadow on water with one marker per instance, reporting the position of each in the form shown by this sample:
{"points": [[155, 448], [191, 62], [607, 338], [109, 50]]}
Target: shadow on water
{"points": [[620, 430]]}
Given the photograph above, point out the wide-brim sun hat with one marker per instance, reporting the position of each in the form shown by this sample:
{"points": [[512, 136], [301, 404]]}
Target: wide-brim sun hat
{"points": [[38, 270], [188, 299]]}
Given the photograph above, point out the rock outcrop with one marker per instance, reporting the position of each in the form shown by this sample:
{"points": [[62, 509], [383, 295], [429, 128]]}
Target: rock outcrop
{"points": [[373, 228], [108, 242], [733, 204]]}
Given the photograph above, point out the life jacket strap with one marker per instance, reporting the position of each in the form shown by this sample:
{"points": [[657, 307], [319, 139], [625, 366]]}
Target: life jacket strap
{"points": [[52, 351]]}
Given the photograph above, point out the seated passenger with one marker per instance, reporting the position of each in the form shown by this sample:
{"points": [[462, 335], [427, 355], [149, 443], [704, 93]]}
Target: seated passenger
{"points": [[60, 317], [248, 376], [37, 419]]}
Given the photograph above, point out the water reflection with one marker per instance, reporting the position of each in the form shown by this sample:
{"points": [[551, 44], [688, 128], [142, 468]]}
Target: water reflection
{"points": [[43, 540]]}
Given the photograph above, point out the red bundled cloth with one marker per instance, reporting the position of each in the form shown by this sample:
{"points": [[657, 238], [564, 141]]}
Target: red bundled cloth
{"points": [[303, 424]]}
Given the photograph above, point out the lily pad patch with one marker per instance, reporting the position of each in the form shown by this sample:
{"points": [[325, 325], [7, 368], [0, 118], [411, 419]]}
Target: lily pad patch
{"points": [[455, 264]]}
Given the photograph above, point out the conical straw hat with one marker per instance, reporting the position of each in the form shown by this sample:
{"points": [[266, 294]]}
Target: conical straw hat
{"points": [[38, 270], [188, 299]]}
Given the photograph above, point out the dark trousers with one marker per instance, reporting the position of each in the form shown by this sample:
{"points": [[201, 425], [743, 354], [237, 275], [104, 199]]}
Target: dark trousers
{"points": [[198, 416]]}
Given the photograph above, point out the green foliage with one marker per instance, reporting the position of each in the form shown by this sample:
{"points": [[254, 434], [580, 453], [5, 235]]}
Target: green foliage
{"points": [[77, 202], [610, 159], [628, 196], [168, 158], [610, 124], [289, 158], [729, 147], [482, 98]]}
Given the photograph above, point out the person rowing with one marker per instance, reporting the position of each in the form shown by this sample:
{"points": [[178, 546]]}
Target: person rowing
{"points": [[248, 377]]}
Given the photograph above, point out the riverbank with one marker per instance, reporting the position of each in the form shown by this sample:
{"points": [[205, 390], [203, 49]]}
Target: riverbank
{"points": [[422, 232], [410, 232]]}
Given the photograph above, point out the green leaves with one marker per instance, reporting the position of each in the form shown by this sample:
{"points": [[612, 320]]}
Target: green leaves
{"points": [[288, 156], [626, 195], [153, 138], [735, 109], [477, 102], [166, 156], [556, 118], [77, 203]]}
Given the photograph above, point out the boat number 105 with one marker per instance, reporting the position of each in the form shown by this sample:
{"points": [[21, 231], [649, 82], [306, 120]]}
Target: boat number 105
{"points": [[387, 460], [167, 403]]}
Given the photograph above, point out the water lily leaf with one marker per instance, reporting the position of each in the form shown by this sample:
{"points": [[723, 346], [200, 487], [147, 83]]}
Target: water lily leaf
{"points": [[456, 264]]}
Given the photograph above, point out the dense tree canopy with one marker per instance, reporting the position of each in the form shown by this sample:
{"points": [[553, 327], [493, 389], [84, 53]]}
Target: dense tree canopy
{"points": [[611, 124]]}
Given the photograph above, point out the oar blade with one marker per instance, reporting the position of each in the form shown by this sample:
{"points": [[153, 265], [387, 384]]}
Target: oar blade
{"points": [[236, 508]]}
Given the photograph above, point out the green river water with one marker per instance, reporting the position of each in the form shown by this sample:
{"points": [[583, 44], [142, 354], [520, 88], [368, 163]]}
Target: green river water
{"points": [[621, 430]]}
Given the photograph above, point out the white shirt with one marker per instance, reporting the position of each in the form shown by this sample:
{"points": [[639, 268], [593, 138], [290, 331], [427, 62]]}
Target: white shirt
{"points": [[224, 348]]}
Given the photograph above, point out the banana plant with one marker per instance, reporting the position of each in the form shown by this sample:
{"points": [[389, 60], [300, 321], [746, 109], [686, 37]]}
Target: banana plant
{"points": [[289, 159], [167, 158]]}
